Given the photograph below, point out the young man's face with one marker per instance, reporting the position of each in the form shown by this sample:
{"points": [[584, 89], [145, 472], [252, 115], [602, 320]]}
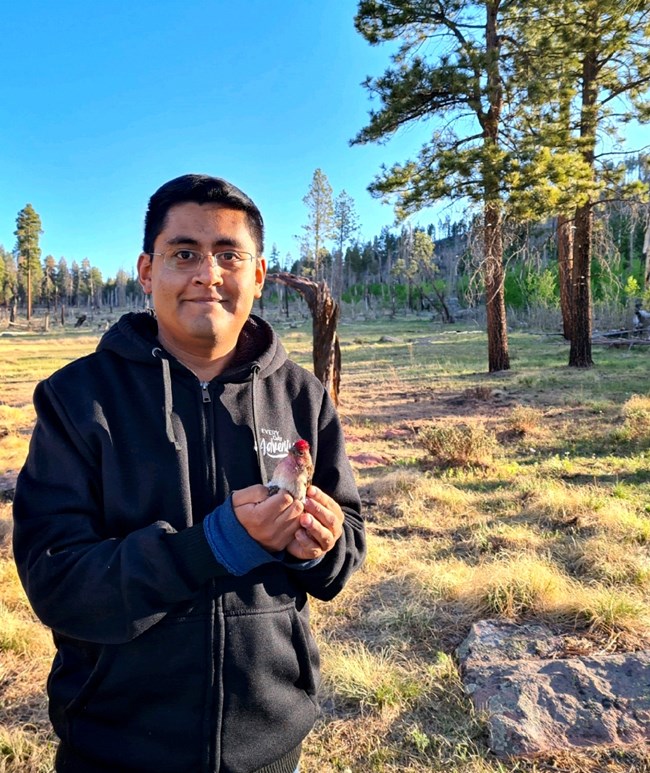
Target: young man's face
{"points": [[203, 309]]}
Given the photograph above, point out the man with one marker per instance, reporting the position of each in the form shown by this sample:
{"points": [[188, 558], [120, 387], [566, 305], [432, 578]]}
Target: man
{"points": [[175, 584]]}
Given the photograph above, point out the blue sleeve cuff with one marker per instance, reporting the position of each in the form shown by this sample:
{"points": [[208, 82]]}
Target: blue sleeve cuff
{"points": [[302, 565], [231, 544]]}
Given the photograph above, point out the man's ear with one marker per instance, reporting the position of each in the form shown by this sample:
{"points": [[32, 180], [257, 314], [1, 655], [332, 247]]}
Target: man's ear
{"points": [[260, 275], [144, 272]]}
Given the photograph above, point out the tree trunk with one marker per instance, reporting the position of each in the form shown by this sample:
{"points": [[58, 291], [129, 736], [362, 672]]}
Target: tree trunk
{"points": [[646, 252], [497, 331], [565, 227], [447, 316], [337, 275], [29, 292], [326, 350], [580, 353]]}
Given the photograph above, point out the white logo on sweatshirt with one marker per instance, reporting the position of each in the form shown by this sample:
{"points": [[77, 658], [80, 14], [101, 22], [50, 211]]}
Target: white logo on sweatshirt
{"points": [[273, 444]]}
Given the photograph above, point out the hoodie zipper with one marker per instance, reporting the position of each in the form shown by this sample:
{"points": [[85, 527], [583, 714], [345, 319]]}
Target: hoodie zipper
{"points": [[213, 707], [204, 392]]}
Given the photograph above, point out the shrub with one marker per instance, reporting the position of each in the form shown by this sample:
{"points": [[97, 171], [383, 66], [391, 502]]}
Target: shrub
{"points": [[524, 420], [636, 414], [459, 445]]}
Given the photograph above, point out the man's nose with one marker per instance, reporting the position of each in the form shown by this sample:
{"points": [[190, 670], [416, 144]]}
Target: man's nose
{"points": [[208, 271]]}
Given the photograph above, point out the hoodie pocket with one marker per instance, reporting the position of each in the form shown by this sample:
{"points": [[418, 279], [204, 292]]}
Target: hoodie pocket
{"points": [[143, 703], [271, 676]]}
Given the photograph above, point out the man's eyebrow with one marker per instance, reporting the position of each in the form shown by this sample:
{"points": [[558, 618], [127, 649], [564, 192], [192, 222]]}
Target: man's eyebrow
{"points": [[226, 241], [182, 240]]}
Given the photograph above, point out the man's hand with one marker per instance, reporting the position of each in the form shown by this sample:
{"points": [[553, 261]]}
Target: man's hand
{"points": [[270, 520], [320, 526]]}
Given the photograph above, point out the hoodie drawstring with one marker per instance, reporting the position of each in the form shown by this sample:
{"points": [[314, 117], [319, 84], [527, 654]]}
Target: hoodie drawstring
{"points": [[169, 407], [169, 404], [256, 432]]}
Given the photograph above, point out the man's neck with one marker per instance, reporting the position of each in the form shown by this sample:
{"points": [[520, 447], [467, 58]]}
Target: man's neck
{"points": [[205, 365]]}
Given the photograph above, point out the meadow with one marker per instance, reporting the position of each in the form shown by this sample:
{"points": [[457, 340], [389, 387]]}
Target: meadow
{"points": [[523, 495]]}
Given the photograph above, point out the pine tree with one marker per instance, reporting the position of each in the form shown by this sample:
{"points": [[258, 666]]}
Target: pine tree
{"points": [[319, 228], [48, 284], [27, 233], [3, 274], [345, 225], [450, 64], [64, 281], [588, 73]]}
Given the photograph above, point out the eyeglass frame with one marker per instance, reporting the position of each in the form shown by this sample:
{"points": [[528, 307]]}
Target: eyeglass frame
{"points": [[214, 258]]}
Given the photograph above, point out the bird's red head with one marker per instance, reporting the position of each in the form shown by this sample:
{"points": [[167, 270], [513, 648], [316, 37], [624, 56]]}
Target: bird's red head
{"points": [[300, 447]]}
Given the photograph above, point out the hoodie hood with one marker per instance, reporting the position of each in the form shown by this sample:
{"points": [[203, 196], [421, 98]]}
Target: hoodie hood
{"points": [[135, 337]]}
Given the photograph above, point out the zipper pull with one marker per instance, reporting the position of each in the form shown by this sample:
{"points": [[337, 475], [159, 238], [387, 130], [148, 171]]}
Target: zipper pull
{"points": [[206, 394]]}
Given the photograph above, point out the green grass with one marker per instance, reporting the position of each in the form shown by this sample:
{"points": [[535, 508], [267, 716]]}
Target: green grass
{"points": [[554, 528]]}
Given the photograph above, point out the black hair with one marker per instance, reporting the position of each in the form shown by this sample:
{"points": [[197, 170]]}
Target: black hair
{"points": [[200, 189]]}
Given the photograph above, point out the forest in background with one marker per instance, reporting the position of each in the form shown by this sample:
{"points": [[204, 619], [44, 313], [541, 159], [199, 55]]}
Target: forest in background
{"points": [[401, 269], [528, 104]]}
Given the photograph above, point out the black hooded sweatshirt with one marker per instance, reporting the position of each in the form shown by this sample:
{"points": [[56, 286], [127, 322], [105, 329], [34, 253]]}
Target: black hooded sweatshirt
{"points": [[165, 662]]}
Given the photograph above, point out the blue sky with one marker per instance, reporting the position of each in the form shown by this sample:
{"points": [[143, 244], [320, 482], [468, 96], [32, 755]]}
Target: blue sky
{"points": [[103, 102]]}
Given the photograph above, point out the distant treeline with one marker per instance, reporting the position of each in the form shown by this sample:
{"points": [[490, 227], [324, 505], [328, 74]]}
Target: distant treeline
{"points": [[432, 268]]}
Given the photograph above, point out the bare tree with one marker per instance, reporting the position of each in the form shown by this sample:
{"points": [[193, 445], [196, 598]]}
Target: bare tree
{"points": [[325, 311]]}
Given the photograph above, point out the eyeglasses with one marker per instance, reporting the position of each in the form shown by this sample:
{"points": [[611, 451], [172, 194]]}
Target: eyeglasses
{"points": [[191, 260]]}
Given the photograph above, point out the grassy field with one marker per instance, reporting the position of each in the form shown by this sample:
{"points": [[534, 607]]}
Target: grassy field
{"points": [[521, 495]]}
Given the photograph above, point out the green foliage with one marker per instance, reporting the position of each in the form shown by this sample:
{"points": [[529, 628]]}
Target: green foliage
{"points": [[28, 231], [464, 81], [527, 286], [631, 288]]}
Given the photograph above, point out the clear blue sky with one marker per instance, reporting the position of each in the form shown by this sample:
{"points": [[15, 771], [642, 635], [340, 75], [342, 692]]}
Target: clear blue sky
{"points": [[103, 102]]}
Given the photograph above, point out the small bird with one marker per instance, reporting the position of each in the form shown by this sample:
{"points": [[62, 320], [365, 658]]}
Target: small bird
{"points": [[294, 472]]}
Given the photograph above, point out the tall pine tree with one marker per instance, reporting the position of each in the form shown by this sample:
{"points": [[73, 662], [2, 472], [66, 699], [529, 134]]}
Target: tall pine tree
{"points": [[588, 73], [319, 228], [450, 66], [27, 233]]}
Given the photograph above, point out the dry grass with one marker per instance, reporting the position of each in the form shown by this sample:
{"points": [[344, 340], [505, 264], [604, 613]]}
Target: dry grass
{"points": [[636, 414], [26, 740], [525, 420], [459, 445], [522, 496]]}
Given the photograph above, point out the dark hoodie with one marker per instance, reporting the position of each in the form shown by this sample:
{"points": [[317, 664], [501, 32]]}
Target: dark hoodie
{"points": [[166, 662]]}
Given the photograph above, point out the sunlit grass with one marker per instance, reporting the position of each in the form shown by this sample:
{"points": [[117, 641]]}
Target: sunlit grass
{"points": [[555, 528]]}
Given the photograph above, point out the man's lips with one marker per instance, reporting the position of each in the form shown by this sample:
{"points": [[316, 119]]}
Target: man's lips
{"points": [[205, 300]]}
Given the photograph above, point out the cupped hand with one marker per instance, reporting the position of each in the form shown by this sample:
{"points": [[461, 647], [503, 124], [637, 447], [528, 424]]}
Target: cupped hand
{"points": [[270, 520], [320, 526]]}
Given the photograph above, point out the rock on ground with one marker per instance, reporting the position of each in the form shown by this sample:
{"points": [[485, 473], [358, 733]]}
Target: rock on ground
{"points": [[8, 485], [539, 700]]}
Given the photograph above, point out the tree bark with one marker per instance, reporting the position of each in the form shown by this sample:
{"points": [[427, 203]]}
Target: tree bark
{"points": [[646, 252], [565, 228], [326, 349], [580, 353], [497, 330]]}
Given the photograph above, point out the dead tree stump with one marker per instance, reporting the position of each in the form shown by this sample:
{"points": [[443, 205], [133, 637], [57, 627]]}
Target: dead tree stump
{"points": [[325, 312]]}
